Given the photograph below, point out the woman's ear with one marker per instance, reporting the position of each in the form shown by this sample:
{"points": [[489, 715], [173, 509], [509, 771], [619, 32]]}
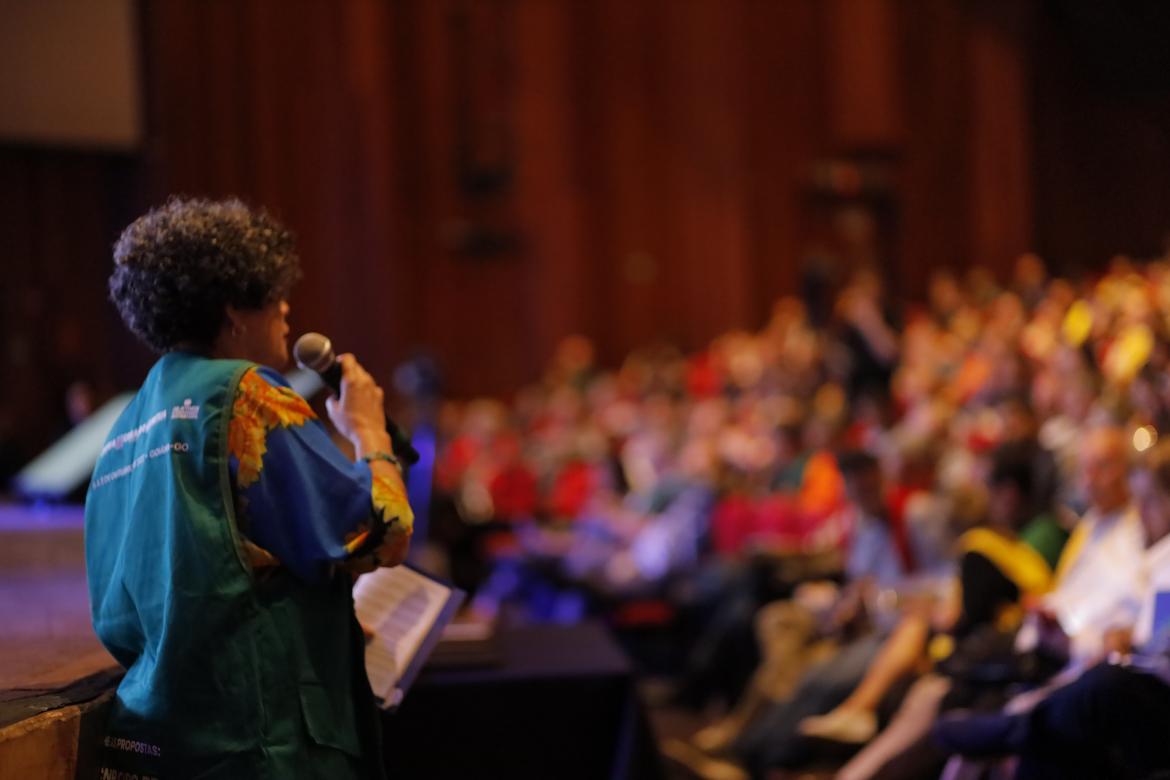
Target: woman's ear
{"points": [[231, 329], [233, 321]]}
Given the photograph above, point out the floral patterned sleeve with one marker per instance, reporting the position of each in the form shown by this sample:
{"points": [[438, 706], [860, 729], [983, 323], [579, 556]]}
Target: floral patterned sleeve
{"points": [[301, 503]]}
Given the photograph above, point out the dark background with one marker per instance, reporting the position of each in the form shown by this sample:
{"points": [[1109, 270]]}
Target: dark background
{"points": [[479, 178]]}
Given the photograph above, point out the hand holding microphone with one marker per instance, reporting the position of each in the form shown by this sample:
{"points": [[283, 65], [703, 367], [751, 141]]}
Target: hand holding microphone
{"points": [[357, 406], [358, 411]]}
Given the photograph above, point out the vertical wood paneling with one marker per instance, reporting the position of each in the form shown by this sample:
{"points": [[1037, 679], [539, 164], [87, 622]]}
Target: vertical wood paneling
{"points": [[1101, 135], [785, 77], [934, 203], [59, 214], [658, 164], [660, 155], [548, 129], [1000, 149], [865, 110]]}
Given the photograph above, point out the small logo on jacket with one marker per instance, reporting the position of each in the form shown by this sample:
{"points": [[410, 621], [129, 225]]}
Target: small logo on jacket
{"points": [[185, 412]]}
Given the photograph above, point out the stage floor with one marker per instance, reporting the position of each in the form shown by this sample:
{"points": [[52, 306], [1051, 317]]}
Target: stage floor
{"points": [[46, 639]]}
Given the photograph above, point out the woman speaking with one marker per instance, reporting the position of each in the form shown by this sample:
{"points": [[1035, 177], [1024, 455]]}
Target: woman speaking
{"points": [[224, 528]]}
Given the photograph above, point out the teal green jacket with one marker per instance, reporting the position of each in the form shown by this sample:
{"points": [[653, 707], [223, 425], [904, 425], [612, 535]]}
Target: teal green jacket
{"points": [[232, 671]]}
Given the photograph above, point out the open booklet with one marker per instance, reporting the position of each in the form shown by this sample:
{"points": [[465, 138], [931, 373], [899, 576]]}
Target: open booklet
{"points": [[407, 611]]}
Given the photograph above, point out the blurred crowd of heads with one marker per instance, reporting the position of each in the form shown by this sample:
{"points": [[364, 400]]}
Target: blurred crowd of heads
{"points": [[981, 364]]}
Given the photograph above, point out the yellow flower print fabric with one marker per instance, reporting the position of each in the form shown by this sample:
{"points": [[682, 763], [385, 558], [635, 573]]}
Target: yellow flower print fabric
{"points": [[259, 407], [302, 503]]}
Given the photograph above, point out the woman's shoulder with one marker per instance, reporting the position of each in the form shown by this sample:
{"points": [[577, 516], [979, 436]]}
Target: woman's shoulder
{"points": [[264, 402], [263, 388]]}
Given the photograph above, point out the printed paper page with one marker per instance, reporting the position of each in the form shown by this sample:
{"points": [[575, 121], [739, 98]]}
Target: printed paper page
{"points": [[399, 605]]}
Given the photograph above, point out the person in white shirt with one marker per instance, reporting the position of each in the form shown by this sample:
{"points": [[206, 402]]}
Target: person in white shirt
{"points": [[1097, 593], [1111, 720]]}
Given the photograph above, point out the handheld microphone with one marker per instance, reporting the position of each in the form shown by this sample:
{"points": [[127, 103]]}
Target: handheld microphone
{"points": [[314, 352]]}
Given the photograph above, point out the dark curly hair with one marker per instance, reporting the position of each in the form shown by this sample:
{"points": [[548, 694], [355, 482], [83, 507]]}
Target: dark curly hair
{"points": [[178, 267]]}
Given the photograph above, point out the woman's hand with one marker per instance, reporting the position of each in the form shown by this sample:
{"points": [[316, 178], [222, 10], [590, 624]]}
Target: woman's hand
{"points": [[392, 552], [394, 549], [359, 413]]}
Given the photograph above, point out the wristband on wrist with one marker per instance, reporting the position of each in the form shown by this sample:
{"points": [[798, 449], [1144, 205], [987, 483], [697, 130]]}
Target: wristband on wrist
{"points": [[369, 457]]}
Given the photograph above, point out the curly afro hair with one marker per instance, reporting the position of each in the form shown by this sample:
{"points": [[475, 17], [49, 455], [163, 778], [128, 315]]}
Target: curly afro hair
{"points": [[178, 267]]}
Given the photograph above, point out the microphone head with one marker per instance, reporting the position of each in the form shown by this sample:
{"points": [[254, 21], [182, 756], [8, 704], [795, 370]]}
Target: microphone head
{"points": [[314, 352]]}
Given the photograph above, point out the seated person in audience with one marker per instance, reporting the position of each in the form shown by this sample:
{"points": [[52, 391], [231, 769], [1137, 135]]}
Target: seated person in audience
{"points": [[1021, 427], [720, 661], [923, 509], [1000, 569], [1111, 721], [1094, 594], [875, 555], [1093, 598], [631, 547], [757, 733], [997, 568]]}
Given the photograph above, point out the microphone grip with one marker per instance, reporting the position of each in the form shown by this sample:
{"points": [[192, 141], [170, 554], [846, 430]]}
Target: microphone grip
{"points": [[332, 378], [399, 441]]}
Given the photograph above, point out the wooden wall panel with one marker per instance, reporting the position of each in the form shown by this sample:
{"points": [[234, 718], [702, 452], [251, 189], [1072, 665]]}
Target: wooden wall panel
{"points": [[786, 128], [626, 91], [479, 178], [865, 93], [549, 128], [935, 206], [1101, 135], [654, 156], [704, 187], [1000, 149], [59, 215]]}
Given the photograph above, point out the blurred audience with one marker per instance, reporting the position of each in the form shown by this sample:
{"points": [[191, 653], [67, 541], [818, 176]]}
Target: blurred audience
{"points": [[879, 490]]}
